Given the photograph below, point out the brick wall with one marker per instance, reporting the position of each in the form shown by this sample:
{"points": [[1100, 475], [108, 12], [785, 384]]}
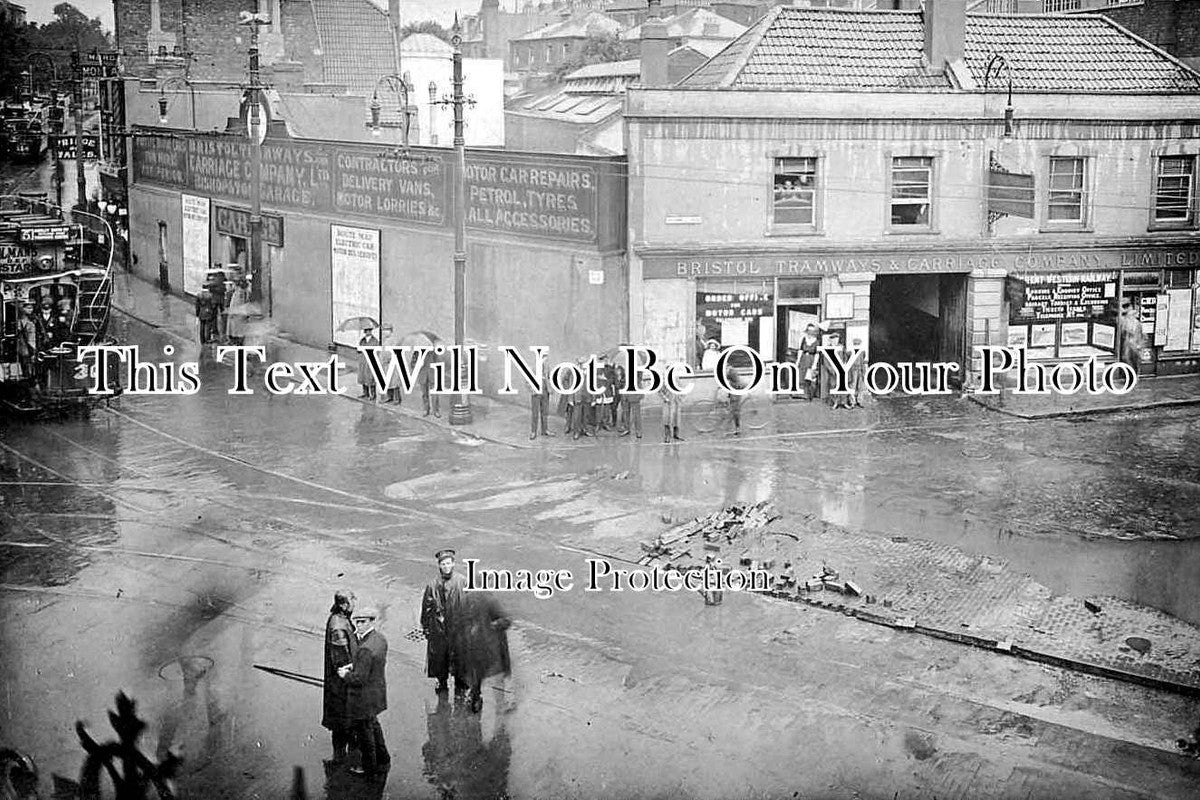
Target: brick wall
{"points": [[214, 44], [1173, 25]]}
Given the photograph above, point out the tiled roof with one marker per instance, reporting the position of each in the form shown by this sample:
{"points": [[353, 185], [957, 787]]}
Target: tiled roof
{"points": [[835, 50], [356, 43], [606, 69], [692, 24], [705, 47], [424, 43], [578, 27]]}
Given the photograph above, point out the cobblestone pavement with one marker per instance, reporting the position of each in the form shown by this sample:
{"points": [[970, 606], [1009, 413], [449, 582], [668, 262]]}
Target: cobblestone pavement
{"points": [[941, 590]]}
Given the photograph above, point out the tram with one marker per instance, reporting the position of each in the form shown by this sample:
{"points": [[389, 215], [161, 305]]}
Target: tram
{"points": [[55, 297], [26, 126]]}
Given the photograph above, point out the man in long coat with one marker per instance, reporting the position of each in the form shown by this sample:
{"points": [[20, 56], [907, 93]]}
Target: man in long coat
{"points": [[366, 378], [368, 692], [341, 645], [482, 642], [440, 606]]}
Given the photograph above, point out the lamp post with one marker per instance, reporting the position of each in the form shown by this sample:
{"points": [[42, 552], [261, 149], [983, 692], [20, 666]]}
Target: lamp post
{"points": [[460, 411], [401, 87], [254, 96], [163, 102], [995, 64]]}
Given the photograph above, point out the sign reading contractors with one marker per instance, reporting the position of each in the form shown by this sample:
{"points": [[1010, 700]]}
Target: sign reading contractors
{"points": [[551, 197], [544, 198]]}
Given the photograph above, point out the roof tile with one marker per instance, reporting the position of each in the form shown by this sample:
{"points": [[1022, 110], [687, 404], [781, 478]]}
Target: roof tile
{"points": [[838, 50]]}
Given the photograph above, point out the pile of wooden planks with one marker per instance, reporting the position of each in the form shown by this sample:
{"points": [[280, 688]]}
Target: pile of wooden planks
{"points": [[711, 533]]}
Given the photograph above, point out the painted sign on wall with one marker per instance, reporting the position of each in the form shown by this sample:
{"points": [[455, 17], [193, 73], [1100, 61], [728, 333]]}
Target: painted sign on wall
{"points": [[547, 196], [236, 222], [354, 259]]}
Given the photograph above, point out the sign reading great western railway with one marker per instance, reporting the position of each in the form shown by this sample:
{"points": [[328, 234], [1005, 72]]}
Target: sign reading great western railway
{"points": [[551, 197]]}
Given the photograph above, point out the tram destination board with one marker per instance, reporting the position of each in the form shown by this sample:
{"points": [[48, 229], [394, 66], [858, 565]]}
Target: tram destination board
{"points": [[47, 233]]}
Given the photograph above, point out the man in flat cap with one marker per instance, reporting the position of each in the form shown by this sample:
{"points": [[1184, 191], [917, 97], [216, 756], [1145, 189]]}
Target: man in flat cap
{"points": [[341, 645], [440, 607], [368, 691]]}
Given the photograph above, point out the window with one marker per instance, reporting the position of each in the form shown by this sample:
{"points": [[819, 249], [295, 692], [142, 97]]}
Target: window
{"points": [[548, 54], [1174, 191], [1066, 197], [795, 194], [1054, 6], [912, 179]]}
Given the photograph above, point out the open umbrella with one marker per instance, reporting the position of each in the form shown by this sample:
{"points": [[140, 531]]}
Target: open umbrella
{"points": [[361, 324]]}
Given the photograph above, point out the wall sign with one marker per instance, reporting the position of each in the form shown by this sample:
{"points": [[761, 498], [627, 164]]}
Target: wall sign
{"points": [[546, 196], [236, 222], [354, 260], [195, 212], [789, 263]]}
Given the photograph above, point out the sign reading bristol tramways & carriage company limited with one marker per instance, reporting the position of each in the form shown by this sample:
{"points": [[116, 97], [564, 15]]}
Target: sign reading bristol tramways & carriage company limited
{"points": [[541, 195], [1027, 260]]}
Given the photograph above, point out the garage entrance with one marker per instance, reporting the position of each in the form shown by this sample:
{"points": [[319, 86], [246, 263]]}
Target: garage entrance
{"points": [[919, 318]]}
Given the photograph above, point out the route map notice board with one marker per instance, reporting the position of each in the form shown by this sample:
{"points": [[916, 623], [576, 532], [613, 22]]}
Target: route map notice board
{"points": [[548, 196]]}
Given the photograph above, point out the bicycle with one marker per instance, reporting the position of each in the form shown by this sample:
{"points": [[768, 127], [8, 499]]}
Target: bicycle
{"points": [[719, 412]]}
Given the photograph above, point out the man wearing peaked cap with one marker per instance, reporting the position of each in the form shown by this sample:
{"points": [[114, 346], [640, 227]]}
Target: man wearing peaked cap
{"points": [[368, 691], [441, 604]]}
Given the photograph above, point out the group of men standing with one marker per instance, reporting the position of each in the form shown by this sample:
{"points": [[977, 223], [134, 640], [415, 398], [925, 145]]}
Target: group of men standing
{"points": [[466, 637], [586, 412], [40, 330]]}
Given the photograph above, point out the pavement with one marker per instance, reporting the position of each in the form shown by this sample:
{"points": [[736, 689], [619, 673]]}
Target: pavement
{"points": [[939, 590], [907, 583]]}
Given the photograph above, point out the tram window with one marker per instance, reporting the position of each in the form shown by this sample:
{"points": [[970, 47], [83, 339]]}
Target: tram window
{"points": [[9, 313]]}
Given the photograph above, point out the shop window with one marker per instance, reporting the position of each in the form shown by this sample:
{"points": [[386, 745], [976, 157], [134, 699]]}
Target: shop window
{"points": [[795, 192], [1175, 192], [912, 192], [1066, 201], [731, 313], [1071, 315]]}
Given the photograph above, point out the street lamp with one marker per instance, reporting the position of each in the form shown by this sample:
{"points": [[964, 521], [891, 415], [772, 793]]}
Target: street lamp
{"points": [[254, 96], [996, 63], [163, 102], [460, 411], [401, 86]]}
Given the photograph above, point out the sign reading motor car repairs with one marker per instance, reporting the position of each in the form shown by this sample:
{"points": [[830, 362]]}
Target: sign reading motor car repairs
{"points": [[546, 197]]}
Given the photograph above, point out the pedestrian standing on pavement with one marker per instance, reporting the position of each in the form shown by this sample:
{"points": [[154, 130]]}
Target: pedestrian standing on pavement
{"points": [[368, 692], [482, 642], [857, 374], [206, 312], [366, 378], [341, 646], [581, 406], [430, 399], [392, 393], [829, 373], [615, 377], [672, 404], [1132, 338], [440, 605], [806, 360], [631, 408], [539, 405]]}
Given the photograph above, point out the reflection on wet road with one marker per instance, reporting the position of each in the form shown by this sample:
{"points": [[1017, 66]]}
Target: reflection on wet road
{"points": [[170, 544]]}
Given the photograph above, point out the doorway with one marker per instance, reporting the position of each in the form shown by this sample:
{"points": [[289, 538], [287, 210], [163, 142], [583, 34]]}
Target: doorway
{"points": [[919, 318]]}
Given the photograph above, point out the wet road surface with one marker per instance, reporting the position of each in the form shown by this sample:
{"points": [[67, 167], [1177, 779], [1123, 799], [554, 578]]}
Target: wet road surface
{"points": [[168, 545]]}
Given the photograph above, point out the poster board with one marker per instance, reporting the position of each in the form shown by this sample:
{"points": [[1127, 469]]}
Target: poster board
{"points": [[195, 212], [1179, 319], [354, 262]]}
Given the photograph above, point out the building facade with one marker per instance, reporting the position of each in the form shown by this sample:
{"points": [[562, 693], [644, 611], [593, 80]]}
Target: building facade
{"points": [[353, 229], [767, 193]]}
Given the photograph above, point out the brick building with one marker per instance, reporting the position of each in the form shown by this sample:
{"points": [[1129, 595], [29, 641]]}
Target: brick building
{"points": [[543, 50], [1173, 25], [835, 166]]}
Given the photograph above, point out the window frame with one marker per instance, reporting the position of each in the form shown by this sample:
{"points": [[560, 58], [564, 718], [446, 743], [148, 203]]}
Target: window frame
{"points": [[1192, 221], [931, 226], [814, 228], [1084, 222]]}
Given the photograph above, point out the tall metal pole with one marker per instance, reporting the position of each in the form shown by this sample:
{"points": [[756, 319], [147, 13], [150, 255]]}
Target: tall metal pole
{"points": [[256, 282], [460, 412], [80, 177]]}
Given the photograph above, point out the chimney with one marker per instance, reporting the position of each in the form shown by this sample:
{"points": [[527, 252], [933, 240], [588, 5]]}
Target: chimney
{"points": [[945, 28], [654, 48]]}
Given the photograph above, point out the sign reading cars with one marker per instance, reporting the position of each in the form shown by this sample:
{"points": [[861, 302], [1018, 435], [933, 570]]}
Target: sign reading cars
{"points": [[236, 222]]}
